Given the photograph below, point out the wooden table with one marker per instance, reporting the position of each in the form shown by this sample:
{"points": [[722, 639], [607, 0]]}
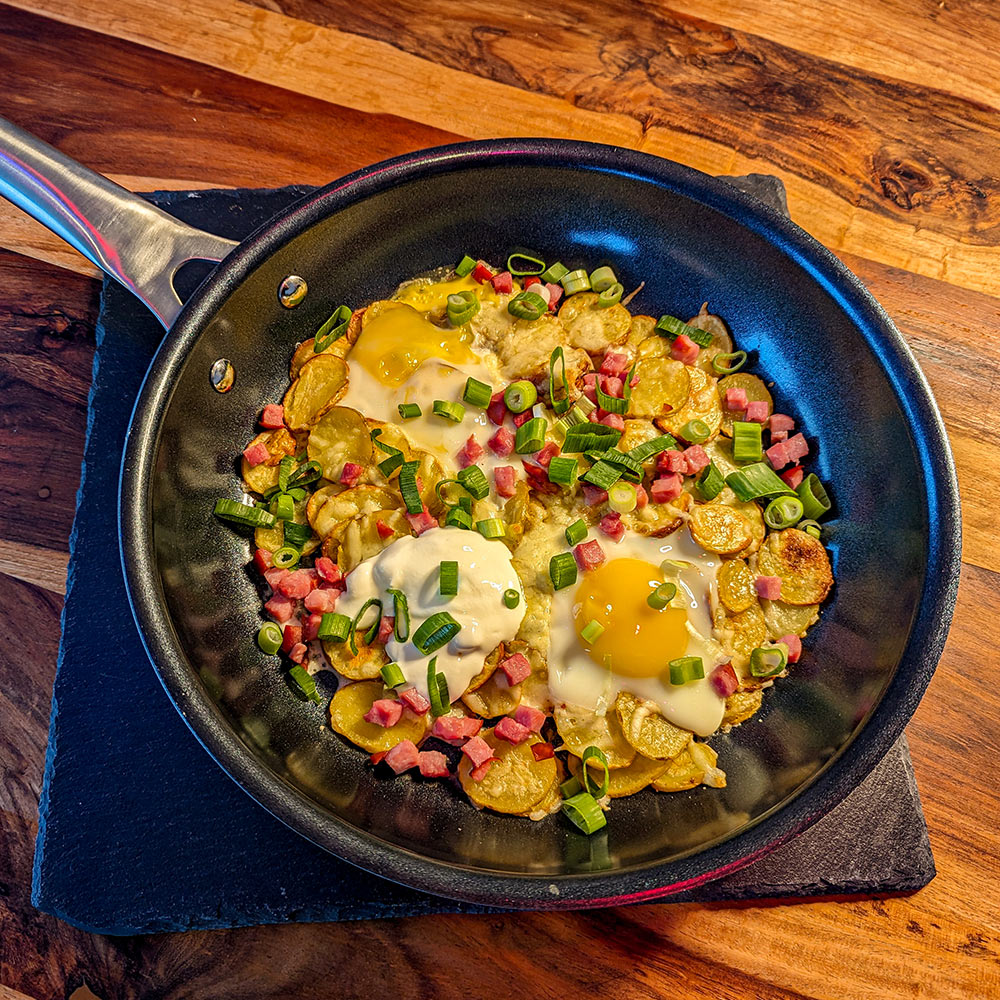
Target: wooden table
{"points": [[883, 119]]}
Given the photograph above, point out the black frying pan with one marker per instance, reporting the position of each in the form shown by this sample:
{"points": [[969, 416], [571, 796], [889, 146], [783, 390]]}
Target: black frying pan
{"points": [[841, 369]]}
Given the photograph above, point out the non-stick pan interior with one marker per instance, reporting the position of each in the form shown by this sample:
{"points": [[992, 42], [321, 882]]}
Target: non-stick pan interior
{"points": [[796, 324]]}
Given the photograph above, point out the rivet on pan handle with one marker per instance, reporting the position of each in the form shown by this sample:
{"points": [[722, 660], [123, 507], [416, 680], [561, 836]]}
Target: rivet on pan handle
{"points": [[125, 236]]}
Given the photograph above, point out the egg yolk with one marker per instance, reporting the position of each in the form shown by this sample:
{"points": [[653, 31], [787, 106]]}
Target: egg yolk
{"points": [[637, 640], [397, 340], [433, 297]]}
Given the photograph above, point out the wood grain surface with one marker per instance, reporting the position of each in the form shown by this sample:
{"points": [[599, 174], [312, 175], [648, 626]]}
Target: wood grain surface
{"points": [[882, 117]]}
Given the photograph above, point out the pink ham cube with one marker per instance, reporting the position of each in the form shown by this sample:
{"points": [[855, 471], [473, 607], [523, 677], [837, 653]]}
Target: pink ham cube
{"points": [[403, 756]]}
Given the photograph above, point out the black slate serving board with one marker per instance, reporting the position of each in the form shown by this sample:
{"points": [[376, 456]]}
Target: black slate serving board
{"points": [[140, 831]]}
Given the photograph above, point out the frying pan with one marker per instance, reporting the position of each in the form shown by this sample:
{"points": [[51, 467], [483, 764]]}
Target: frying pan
{"points": [[841, 369]]}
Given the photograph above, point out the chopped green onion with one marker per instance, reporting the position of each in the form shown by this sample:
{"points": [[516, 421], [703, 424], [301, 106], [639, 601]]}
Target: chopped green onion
{"points": [[269, 638], [770, 661], [491, 527], [588, 436], [728, 364], [554, 272], [334, 627], [648, 449], [575, 281], [610, 296], [686, 669], [285, 557], [811, 527], [409, 410], [473, 479], [333, 329], [392, 675], [282, 507], [783, 512], [285, 467], [622, 498], [536, 266], [465, 266], [613, 404], [297, 534], [466, 504], [672, 328], [560, 403], [695, 431], [440, 488], [458, 518], [520, 396], [562, 470], [747, 441], [576, 532], [527, 305], [435, 632], [595, 753], [592, 631], [391, 464], [306, 473], [401, 614], [815, 499], [583, 811], [297, 493], [408, 487], [710, 482], [243, 514], [511, 598], [562, 570], [530, 436], [461, 307], [448, 578], [304, 682], [602, 474], [572, 418], [477, 393], [371, 630], [602, 278], [449, 410], [661, 596], [585, 405], [437, 689], [755, 481], [620, 459], [570, 787]]}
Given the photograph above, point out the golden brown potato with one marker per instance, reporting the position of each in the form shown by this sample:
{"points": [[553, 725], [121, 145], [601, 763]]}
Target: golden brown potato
{"points": [[319, 497], [362, 538], [702, 404], [580, 728], [722, 342], [647, 730], [322, 383], [736, 585], [664, 386], [788, 619], [755, 390], [350, 705], [338, 437], [740, 632], [690, 769], [741, 705], [591, 329], [363, 665], [622, 781], [263, 477], [718, 528], [657, 520], [801, 562], [515, 781], [489, 666], [640, 331], [338, 508]]}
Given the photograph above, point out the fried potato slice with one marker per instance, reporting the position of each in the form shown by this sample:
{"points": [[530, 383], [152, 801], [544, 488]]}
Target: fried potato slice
{"points": [[549, 803], [340, 348], [515, 781], [322, 383], [663, 382], [638, 432], [581, 728], [360, 538], [347, 504], [722, 342], [653, 346], [363, 665], [802, 563], [489, 666], [320, 497], [430, 472], [751, 510], [494, 697], [591, 329], [647, 730], [641, 329], [720, 451], [755, 390], [350, 705], [657, 520], [788, 619], [719, 528], [741, 705], [622, 781], [271, 539], [688, 769], [736, 585], [740, 632], [261, 478], [340, 436], [702, 404]]}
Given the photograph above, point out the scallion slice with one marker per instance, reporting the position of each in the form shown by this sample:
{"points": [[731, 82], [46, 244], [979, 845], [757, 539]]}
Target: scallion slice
{"points": [[269, 638], [747, 441], [583, 811], [392, 675], [811, 527], [477, 393], [554, 272], [815, 499], [613, 404], [435, 632], [622, 498], [602, 475], [530, 265], [283, 507], [647, 449], [304, 682], [243, 514], [571, 418], [575, 281], [449, 410], [285, 467], [610, 296], [686, 669], [570, 787], [511, 598], [623, 461], [333, 329], [409, 410], [560, 401], [297, 534], [491, 527], [408, 487], [401, 614], [562, 470], [285, 557], [527, 305], [306, 473], [592, 631], [562, 570], [602, 278], [458, 518], [588, 436], [783, 512], [766, 662], [370, 630], [437, 689], [710, 482], [695, 431], [448, 578], [461, 307], [334, 627], [473, 479], [520, 396], [728, 364], [661, 596], [576, 532], [755, 481], [672, 328], [530, 436], [595, 753], [465, 266]]}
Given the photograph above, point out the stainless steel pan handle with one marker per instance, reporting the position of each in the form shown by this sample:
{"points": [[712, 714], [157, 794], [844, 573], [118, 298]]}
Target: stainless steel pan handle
{"points": [[124, 235]]}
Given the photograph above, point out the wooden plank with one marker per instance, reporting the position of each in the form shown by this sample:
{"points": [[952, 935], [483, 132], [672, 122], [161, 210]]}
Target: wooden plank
{"points": [[34, 564], [853, 150]]}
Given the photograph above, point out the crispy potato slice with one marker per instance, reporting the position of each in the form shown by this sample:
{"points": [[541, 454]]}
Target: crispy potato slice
{"points": [[515, 782], [591, 329], [722, 342], [581, 728], [685, 771], [320, 497], [653, 346], [494, 697], [740, 632], [304, 353], [637, 432], [549, 803], [741, 705], [622, 781], [350, 705], [641, 329], [354, 502], [736, 585], [340, 436], [719, 528], [657, 520], [647, 730], [801, 562], [750, 509], [720, 451], [663, 382], [261, 478], [322, 383], [360, 538], [788, 619], [702, 404], [755, 389], [431, 472], [489, 666], [363, 665]]}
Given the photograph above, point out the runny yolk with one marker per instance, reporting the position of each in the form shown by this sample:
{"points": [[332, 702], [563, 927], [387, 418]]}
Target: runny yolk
{"points": [[433, 296], [396, 341], [637, 640]]}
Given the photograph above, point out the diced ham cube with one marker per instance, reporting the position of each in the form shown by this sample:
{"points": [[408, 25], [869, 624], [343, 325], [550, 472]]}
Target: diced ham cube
{"points": [[433, 764], [611, 525], [256, 454], [291, 636], [532, 718], [471, 452], [479, 771], [273, 416], [262, 560], [684, 349], [641, 497], [768, 587], [477, 750], [280, 608], [615, 363], [777, 436], [672, 461], [780, 422], [497, 409], [545, 456], [297, 653], [511, 730], [778, 455], [666, 488], [589, 383], [505, 478], [384, 530], [350, 473], [421, 522], [516, 668], [321, 602], [724, 680], [794, 644], [696, 459], [589, 555], [482, 272], [542, 751], [503, 283], [793, 476], [531, 279], [538, 478], [296, 584], [520, 419], [797, 447], [274, 576], [415, 701], [502, 443], [384, 712], [613, 386], [377, 758], [403, 756], [757, 411], [594, 496], [453, 728], [615, 420], [736, 399], [385, 627], [310, 627], [328, 569], [555, 294]]}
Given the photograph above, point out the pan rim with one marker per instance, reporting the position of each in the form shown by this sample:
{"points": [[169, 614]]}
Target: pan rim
{"points": [[831, 784]]}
